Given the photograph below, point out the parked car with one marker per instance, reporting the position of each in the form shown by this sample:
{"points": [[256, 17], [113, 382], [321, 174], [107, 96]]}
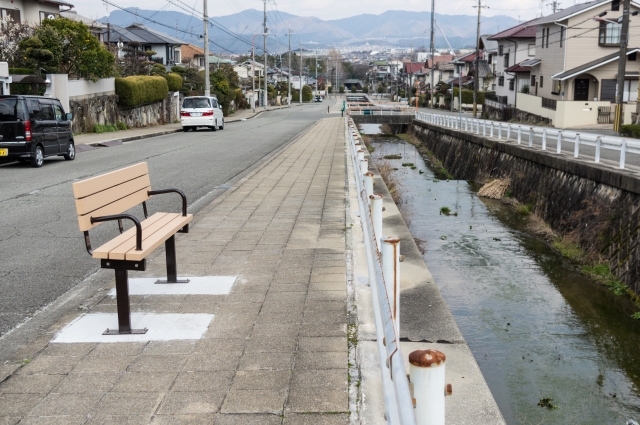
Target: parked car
{"points": [[201, 111], [318, 99], [33, 128]]}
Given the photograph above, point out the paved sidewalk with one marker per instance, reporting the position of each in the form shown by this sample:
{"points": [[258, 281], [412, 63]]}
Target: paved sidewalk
{"points": [[276, 351], [157, 130]]}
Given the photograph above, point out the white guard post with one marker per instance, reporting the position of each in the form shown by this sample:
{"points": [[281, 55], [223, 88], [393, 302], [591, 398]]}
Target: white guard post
{"points": [[368, 185], [428, 379], [376, 216], [391, 271]]}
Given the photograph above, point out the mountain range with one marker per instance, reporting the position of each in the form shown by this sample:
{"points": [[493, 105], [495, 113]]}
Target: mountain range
{"points": [[233, 33]]}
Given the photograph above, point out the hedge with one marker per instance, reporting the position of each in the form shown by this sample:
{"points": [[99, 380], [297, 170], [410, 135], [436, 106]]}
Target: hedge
{"points": [[467, 96], [630, 130], [139, 90], [20, 71], [174, 80]]}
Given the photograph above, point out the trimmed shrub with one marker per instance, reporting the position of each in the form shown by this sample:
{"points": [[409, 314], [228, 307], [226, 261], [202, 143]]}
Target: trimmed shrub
{"points": [[630, 130], [467, 96], [174, 80], [121, 126], [140, 90], [20, 71], [365, 90], [307, 94]]}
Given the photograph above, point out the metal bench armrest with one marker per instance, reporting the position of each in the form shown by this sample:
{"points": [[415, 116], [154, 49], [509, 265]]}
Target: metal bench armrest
{"points": [[178, 191], [121, 217]]}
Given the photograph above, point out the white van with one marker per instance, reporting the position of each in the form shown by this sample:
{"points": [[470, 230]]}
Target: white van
{"points": [[201, 111]]}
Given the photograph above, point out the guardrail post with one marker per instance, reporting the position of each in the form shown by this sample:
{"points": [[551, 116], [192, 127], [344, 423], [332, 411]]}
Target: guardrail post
{"points": [[376, 217], [508, 131], [368, 185], [544, 139], [491, 129], [360, 156], [530, 137], [484, 128], [391, 271], [559, 142], [500, 131], [598, 147], [364, 166], [576, 150], [427, 371], [623, 154], [465, 124], [519, 134]]}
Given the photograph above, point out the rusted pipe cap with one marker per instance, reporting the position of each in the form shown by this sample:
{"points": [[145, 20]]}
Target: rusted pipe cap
{"points": [[369, 173], [375, 196], [427, 358], [392, 240]]}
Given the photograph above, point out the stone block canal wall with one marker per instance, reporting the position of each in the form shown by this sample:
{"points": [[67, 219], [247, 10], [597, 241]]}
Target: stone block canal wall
{"points": [[597, 205]]}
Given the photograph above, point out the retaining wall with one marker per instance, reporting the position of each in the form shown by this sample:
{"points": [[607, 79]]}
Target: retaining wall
{"points": [[599, 205]]}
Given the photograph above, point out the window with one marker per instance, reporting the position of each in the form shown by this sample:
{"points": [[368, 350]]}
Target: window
{"points": [[541, 81], [533, 81], [609, 34], [511, 85], [555, 86], [543, 34], [547, 44], [632, 56], [14, 14], [532, 50], [500, 50], [506, 60], [46, 111], [59, 113], [561, 36], [501, 81], [615, 5], [48, 15], [196, 102]]}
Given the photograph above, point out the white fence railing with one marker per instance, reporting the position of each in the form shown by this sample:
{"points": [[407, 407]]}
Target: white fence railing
{"points": [[547, 138], [398, 399], [379, 112]]}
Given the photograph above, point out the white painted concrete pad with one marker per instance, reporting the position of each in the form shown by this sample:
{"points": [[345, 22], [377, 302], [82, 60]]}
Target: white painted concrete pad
{"points": [[202, 285], [162, 327]]}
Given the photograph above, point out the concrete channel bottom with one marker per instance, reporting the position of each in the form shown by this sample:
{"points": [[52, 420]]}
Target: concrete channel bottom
{"points": [[276, 350]]}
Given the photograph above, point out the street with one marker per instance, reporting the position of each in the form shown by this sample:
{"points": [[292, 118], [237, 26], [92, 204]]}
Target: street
{"points": [[42, 250]]}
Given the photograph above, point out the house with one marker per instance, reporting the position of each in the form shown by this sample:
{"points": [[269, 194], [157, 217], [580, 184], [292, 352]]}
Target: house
{"points": [[96, 28], [443, 71], [515, 46], [416, 72], [575, 72], [192, 56], [167, 48], [32, 11], [490, 49]]}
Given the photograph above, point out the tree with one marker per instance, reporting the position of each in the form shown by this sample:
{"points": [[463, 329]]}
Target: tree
{"points": [[158, 70], [135, 60], [76, 50], [354, 89], [10, 37], [33, 50]]}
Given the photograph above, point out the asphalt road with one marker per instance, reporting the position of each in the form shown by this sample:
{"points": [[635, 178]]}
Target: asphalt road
{"points": [[42, 253]]}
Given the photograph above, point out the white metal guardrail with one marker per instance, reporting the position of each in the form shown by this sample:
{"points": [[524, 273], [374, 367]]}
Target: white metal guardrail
{"points": [[548, 138], [398, 399]]}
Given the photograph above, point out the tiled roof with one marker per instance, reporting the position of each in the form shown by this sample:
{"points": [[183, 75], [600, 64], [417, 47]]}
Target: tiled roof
{"points": [[438, 59], [567, 12], [469, 58], [413, 68], [518, 68], [189, 51], [523, 30]]}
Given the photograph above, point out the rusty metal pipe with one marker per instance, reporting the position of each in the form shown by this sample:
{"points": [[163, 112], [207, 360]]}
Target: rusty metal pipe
{"points": [[427, 369]]}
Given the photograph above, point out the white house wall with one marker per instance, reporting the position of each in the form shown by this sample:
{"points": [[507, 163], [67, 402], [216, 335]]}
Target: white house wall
{"points": [[29, 10]]}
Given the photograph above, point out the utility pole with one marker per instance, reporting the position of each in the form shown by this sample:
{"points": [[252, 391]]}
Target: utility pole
{"points": [[300, 94], [207, 83], [289, 85], [265, 56], [554, 5], [433, 49], [622, 66], [476, 79], [316, 72]]}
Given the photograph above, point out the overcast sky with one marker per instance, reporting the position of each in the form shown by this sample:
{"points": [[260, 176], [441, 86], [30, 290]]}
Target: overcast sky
{"points": [[330, 9]]}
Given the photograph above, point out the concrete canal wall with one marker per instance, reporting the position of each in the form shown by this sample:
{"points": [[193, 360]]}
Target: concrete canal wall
{"points": [[598, 205]]}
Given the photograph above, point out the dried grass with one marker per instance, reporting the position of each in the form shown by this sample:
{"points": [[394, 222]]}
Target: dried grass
{"points": [[495, 189], [539, 227], [386, 172]]}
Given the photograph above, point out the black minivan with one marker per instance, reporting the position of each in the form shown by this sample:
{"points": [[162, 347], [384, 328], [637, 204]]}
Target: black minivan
{"points": [[33, 128]]}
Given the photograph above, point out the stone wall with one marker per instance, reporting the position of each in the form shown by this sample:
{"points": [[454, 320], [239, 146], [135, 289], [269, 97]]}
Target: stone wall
{"points": [[598, 205], [507, 114], [89, 111]]}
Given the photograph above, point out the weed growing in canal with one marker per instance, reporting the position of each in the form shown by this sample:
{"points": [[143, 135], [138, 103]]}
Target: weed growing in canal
{"points": [[525, 209], [394, 156], [569, 249], [445, 210], [421, 172], [602, 273], [371, 149], [546, 402], [385, 171], [636, 315], [407, 164]]}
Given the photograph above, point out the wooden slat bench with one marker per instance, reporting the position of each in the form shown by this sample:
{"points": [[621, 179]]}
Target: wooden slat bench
{"points": [[106, 198]]}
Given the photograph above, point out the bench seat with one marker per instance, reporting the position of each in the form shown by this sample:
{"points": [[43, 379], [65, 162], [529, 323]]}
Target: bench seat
{"points": [[155, 231]]}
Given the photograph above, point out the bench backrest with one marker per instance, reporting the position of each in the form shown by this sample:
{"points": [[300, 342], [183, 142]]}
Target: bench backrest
{"points": [[111, 193]]}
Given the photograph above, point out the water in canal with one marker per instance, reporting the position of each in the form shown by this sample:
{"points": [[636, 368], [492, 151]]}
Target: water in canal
{"points": [[536, 327]]}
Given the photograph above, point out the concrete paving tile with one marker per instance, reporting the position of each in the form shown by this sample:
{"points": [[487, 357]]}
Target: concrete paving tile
{"points": [[266, 361], [137, 403], [163, 299], [316, 419], [53, 420], [337, 277], [212, 362], [321, 360], [275, 330], [250, 297], [247, 419], [196, 309], [119, 420], [156, 348], [325, 317], [67, 404], [312, 400], [220, 345], [250, 287], [328, 295], [324, 379], [30, 384], [18, 404], [336, 268], [320, 344], [9, 420], [286, 287], [328, 286], [68, 350], [235, 319], [50, 366], [242, 308], [8, 369], [325, 329], [321, 306], [144, 382], [231, 331], [191, 403], [87, 382], [293, 317], [169, 363], [276, 380], [103, 364], [203, 381], [203, 419], [254, 401], [118, 349]]}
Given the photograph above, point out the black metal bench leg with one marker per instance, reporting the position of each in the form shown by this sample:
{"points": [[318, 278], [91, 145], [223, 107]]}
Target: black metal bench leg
{"points": [[172, 266], [124, 308]]}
